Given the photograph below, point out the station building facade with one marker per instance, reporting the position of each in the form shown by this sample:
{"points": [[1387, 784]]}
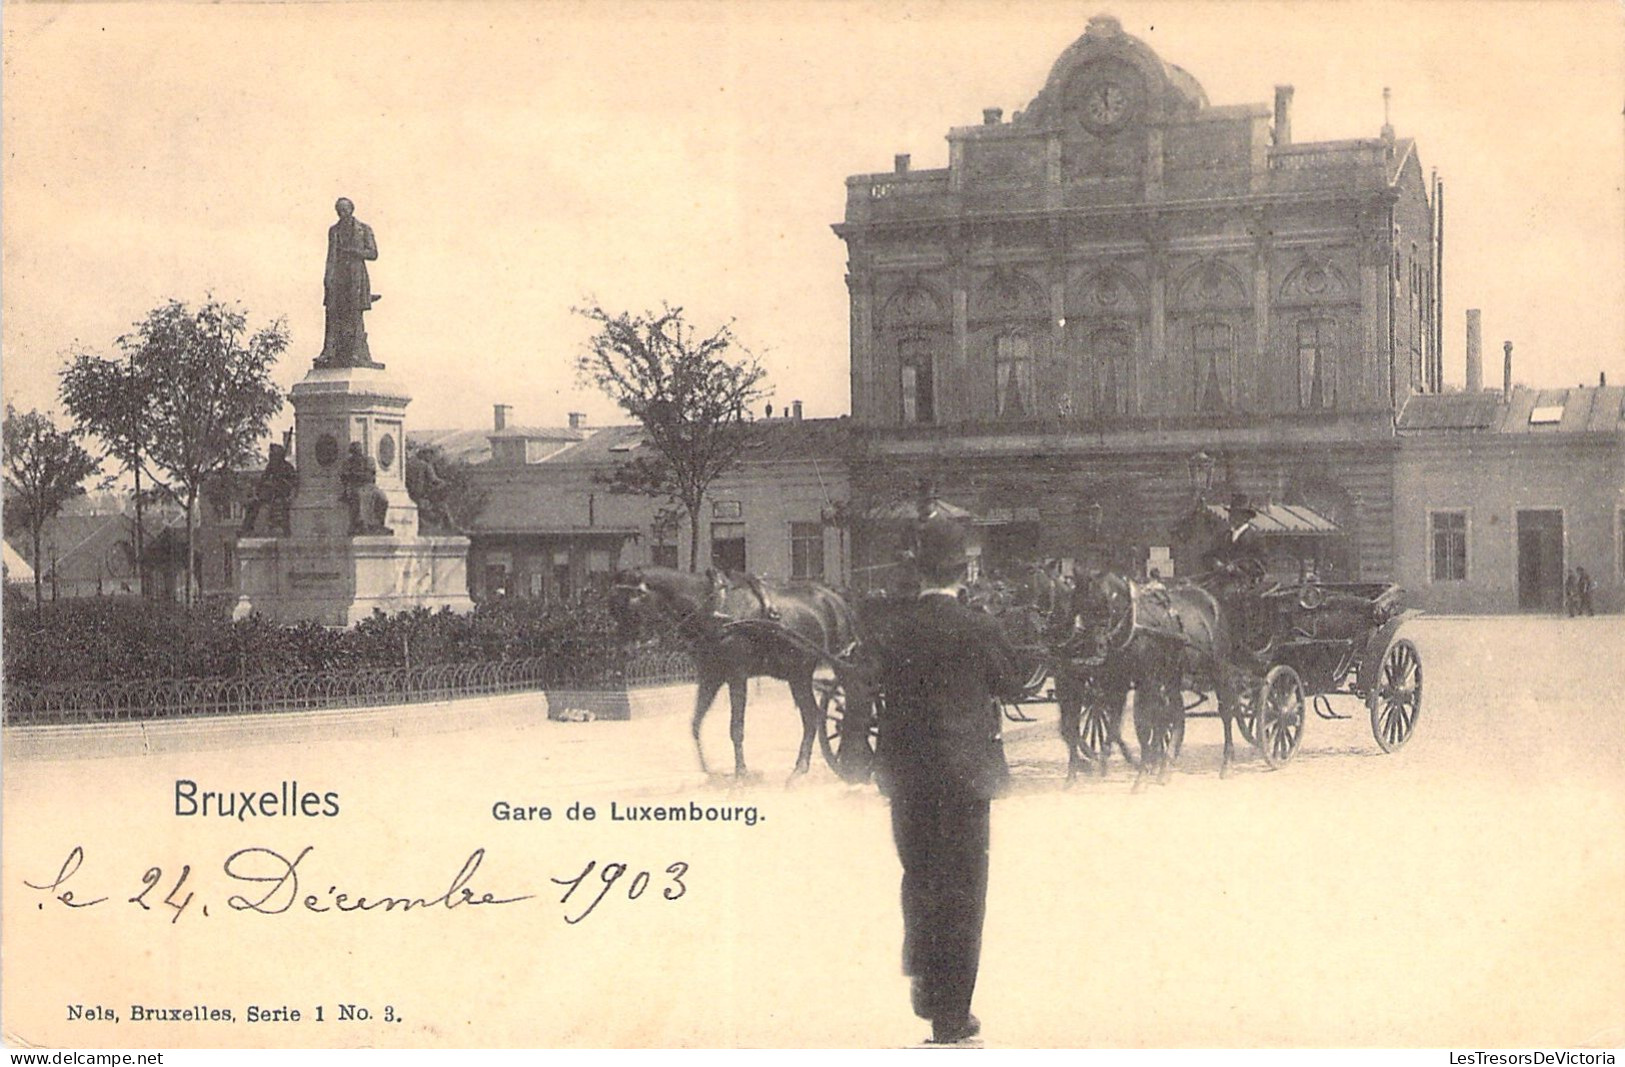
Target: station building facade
{"points": [[1122, 275]]}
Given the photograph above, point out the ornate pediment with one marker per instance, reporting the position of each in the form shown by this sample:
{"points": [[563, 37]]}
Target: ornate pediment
{"points": [[1006, 295], [1210, 283], [914, 304], [1108, 290], [1314, 279]]}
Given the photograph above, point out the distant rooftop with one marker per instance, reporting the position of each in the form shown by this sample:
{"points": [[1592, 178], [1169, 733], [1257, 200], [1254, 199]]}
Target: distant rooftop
{"points": [[1599, 409]]}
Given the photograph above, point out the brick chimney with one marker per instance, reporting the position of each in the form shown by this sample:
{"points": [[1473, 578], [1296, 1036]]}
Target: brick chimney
{"points": [[795, 410], [992, 116], [499, 415], [900, 162], [1506, 372], [578, 419], [1475, 354], [1283, 114]]}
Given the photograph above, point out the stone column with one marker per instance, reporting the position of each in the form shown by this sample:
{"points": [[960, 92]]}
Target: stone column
{"points": [[861, 295], [1065, 405], [1152, 394], [1250, 388]]}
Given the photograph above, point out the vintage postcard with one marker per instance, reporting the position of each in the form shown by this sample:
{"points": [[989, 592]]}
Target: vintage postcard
{"points": [[414, 411]]}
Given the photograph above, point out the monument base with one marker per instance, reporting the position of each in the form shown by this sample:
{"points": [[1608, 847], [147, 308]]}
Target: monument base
{"points": [[339, 582]]}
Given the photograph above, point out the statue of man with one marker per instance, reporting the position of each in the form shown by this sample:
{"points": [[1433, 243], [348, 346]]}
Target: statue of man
{"points": [[347, 291]]}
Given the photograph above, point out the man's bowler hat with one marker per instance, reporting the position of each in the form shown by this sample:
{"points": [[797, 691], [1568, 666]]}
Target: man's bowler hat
{"points": [[942, 545], [1242, 504]]}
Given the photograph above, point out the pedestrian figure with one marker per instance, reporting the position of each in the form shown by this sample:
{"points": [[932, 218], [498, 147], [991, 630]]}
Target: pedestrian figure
{"points": [[1571, 593], [1582, 582], [940, 758]]}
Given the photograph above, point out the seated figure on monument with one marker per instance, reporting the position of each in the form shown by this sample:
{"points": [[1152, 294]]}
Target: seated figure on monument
{"points": [[347, 290], [272, 494], [368, 505]]}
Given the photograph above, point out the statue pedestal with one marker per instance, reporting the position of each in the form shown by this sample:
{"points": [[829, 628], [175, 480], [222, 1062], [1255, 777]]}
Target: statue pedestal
{"points": [[318, 571]]}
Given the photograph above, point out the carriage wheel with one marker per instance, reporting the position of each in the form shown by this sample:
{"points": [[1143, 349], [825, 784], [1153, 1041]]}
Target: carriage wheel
{"points": [[848, 735], [1396, 700], [1095, 736], [1278, 723]]}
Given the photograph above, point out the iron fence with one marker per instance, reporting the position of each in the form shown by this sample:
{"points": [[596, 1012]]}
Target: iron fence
{"points": [[169, 698]]}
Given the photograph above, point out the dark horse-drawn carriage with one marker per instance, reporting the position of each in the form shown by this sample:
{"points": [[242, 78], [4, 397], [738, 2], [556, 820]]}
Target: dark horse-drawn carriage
{"points": [[1264, 660]]}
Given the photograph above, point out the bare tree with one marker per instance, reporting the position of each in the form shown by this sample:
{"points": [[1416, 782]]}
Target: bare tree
{"points": [[45, 468], [691, 394]]}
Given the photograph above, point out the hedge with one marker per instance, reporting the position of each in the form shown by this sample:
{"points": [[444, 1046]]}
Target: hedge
{"points": [[127, 638]]}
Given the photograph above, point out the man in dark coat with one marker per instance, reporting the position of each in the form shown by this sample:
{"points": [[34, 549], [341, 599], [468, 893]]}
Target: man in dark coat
{"points": [[940, 759], [1241, 547], [1236, 563]]}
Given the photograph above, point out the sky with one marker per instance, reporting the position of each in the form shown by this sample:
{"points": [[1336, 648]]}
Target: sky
{"points": [[519, 160]]}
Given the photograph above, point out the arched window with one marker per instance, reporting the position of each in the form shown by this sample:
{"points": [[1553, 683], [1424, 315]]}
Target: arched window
{"points": [[1317, 364], [1013, 377], [1211, 346]]}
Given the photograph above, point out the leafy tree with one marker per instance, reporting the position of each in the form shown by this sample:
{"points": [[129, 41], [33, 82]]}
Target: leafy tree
{"points": [[690, 393], [207, 397], [45, 468], [108, 399], [444, 489]]}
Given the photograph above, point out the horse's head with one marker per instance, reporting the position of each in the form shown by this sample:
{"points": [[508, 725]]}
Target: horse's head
{"points": [[644, 595], [1101, 609]]}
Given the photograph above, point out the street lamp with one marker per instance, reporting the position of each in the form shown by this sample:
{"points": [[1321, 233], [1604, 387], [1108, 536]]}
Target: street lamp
{"points": [[1200, 467]]}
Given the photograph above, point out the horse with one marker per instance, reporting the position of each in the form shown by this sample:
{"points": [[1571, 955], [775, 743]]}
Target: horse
{"points": [[738, 629], [1158, 640]]}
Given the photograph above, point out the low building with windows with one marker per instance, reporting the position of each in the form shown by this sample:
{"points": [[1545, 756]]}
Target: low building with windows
{"points": [[553, 527], [1505, 493]]}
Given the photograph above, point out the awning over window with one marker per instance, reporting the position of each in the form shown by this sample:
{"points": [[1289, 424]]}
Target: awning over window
{"points": [[1286, 520]]}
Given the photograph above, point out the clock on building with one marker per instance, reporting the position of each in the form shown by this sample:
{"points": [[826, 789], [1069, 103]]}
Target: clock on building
{"points": [[1107, 103]]}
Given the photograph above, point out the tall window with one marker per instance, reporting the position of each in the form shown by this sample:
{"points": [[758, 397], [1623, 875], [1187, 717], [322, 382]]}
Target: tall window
{"points": [[1317, 364], [915, 368], [1113, 353], [1211, 344], [1013, 377], [1449, 533], [807, 551]]}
